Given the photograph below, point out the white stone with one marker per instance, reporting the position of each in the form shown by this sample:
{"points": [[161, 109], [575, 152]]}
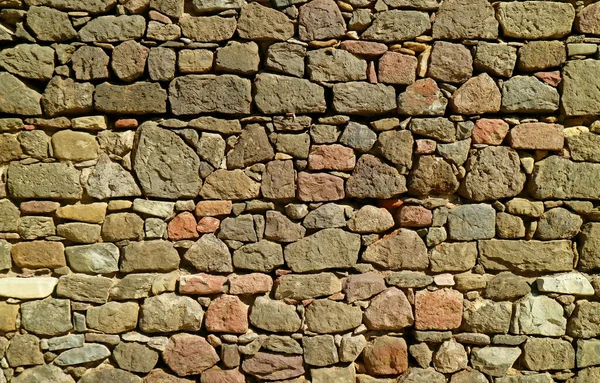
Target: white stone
{"points": [[159, 209], [494, 361], [569, 283], [27, 288], [89, 123], [539, 315]]}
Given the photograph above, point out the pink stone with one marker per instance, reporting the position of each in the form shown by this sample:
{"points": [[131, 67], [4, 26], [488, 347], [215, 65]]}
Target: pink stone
{"points": [[397, 68], [372, 73], [216, 375], [126, 123], [213, 208], [423, 98], [364, 48], [414, 216], [537, 136], [227, 314], [363, 286], [588, 19], [479, 95], [438, 310], [201, 284], [331, 157], [389, 311], [208, 225], [425, 146], [38, 207], [320, 187], [183, 226], [247, 284], [489, 131], [390, 204], [188, 354], [267, 366], [386, 355], [551, 78]]}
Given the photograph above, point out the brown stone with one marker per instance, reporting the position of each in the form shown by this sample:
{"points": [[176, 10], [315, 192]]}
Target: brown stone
{"points": [[268, 366], [38, 207], [208, 225], [423, 98], [201, 284], [188, 354], [183, 226], [38, 254], [389, 311], [364, 48], [450, 62], [248, 284], [319, 187], [415, 216], [489, 131], [588, 19], [537, 136], [320, 20], [227, 314], [397, 68], [479, 95], [222, 376], [213, 208], [438, 310], [386, 355], [331, 157]]}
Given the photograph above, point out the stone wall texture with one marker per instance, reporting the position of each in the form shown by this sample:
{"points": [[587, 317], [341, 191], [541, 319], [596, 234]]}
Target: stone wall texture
{"points": [[353, 191]]}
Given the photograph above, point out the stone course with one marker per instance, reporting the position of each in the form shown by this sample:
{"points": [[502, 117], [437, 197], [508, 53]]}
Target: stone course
{"points": [[299, 191]]}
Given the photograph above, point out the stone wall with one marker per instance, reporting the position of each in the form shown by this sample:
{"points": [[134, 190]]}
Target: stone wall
{"points": [[360, 191]]}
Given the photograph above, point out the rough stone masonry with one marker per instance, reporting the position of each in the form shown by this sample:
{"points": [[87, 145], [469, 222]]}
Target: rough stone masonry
{"points": [[352, 191]]}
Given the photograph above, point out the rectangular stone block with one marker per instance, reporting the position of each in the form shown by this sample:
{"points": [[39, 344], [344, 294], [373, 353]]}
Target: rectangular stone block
{"points": [[195, 94], [526, 256], [139, 98], [559, 178], [44, 180]]}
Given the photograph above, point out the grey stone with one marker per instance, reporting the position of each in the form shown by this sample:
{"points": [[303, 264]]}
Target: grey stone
{"points": [[527, 94], [209, 254], [326, 216], [441, 129], [113, 317], [170, 313], [281, 229], [583, 322], [568, 283], [49, 316], [281, 94], [103, 374], [432, 176], [50, 24], [588, 353], [541, 55], [335, 65], [397, 25], [465, 19], [138, 98], [450, 62], [533, 20], [90, 63], [401, 249], [559, 178], [282, 344], [363, 98], [17, 98], [320, 350], [216, 5], [286, 58], [359, 137], [99, 258], [589, 251], [164, 164], [65, 96], [135, 357], [506, 286], [351, 347], [456, 152], [495, 59], [88, 353], [84, 288], [469, 222], [61, 181], [171, 8], [539, 315], [274, 316], [278, 179], [29, 61], [110, 29], [23, 350], [110, 180], [558, 223], [154, 255], [211, 148], [263, 256], [526, 256], [372, 178], [370, 219], [576, 75], [239, 228], [320, 20]]}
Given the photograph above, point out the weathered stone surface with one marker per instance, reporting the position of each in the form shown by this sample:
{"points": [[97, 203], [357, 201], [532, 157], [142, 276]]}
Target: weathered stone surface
{"points": [[576, 76], [583, 322], [326, 249], [584, 147], [108, 374], [90, 63], [397, 68], [280, 94], [110, 180], [274, 316], [138, 98], [113, 317], [286, 58], [252, 146], [307, 286], [100, 258], [65, 96], [335, 65], [464, 19], [320, 350], [207, 28], [74, 146], [154, 255], [401, 249], [319, 187], [541, 354], [263, 256], [526, 256], [469, 222], [493, 173], [556, 177], [494, 361], [496, 59], [50, 24], [113, 29], [438, 310], [38, 254], [196, 94], [486, 316], [534, 20], [389, 310], [17, 98], [325, 316], [49, 316], [432, 176], [269, 366], [450, 357], [24, 350], [27, 288], [372, 178], [84, 288], [165, 165], [370, 219], [258, 22], [189, 354], [395, 25], [135, 357], [422, 98], [540, 55], [539, 315], [363, 98], [558, 223], [29, 61], [93, 6], [170, 313], [527, 94], [229, 185], [450, 62], [129, 60], [453, 257], [227, 313], [386, 355], [48, 372], [479, 95], [320, 20], [537, 136], [242, 58], [331, 157]]}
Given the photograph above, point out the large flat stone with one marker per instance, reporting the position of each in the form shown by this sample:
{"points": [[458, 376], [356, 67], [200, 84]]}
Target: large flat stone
{"points": [[27, 288], [195, 94], [559, 178], [581, 88], [281, 94], [139, 98], [18, 98]]}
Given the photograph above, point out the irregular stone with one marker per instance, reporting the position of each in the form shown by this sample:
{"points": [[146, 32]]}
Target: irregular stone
{"points": [[183, 226], [201, 284], [469, 222], [156, 255], [396, 25], [397, 68], [110, 29], [328, 248], [370, 219], [113, 317], [18, 98], [24, 350], [94, 6], [74, 146], [487, 316], [252, 146], [587, 353], [363, 286], [537, 136], [274, 95], [160, 376], [242, 58], [194, 94], [258, 22], [464, 19], [49, 316], [279, 228], [307, 286], [450, 357], [386, 355], [170, 313], [387, 184], [239, 228], [451, 257], [171, 8], [402, 249], [207, 28], [90, 63], [38, 254], [227, 313], [84, 288], [319, 187], [559, 178], [29, 61], [450, 62], [9, 313], [542, 354], [506, 286], [320, 350], [50, 24], [133, 286], [110, 180], [209, 254], [9, 216], [363, 98], [479, 95], [27, 288], [493, 173], [234, 185], [216, 5], [576, 75], [248, 284], [440, 129], [583, 147], [129, 60], [325, 216], [138, 98], [335, 64], [263, 256], [582, 322], [432, 176], [531, 20], [48, 372], [194, 61], [99, 258], [489, 131], [539, 315], [103, 374], [65, 96], [422, 98], [325, 316], [320, 20], [358, 136], [189, 354], [286, 58], [389, 311], [527, 94], [333, 374], [438, 310], [135, 357], [494, 361], [541, 55], [396, 146], [274, 316], [269, 366], [526, 256], [558, 223], [496, 59]]}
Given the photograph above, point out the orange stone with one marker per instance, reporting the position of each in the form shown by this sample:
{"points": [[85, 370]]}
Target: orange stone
{"points": [[489, 131], [183, 226], [38, 207], [247, 284], [213, 208], [331, 157], [414, 216], [550, 78], [390, 203], [201, 284], [537, 136], [438, 310], [227, 314], [38, 254], [208, 225], [126, 123], [320, 187], [386, 355]]}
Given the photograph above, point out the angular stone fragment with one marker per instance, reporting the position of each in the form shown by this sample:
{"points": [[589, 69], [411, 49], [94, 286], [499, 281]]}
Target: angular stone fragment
{"points": [[242, 58], [479, 95], [129, 60], [539, 315], [29, 61], [65, 96], [50, 25], [570, 283], [209, 254], [155, 255], [258, 22], [583, 322], [320, 20], [263, 256], [494, 361], [91, 6], [110, 180], [401, 249], [397, 68], [286, 58], [422, 98], [325, 316], [372, 178], [18, 98], [170, 313], [584, 147], [274, 316], [558, 178], [540, 55], [24, 350], [90, 63], [396, 25], [363, 98], [450, 62], [113, 317], [537, 136], [227, 313], [281, 229], [386, 355], [363, 286], [229, 185], [527, 94], [450, 357], [195, 94], [138, 98], [465, 19], [319, 187], [171, 8], [122, 226], [438, 310], [49, 317], [453, 257], [542, 354], [84, 288], [558, 223], [100, 258], [389, 311], [534, 20], [269, 366], [207, 28], [251, 147], [578, 75], [110, 29], [432, 176], [487, 316], [320, 350], [189, 354], [216, 5], [370, 219], [335, 65], [38, 254], [526, 256], [496, 59]]}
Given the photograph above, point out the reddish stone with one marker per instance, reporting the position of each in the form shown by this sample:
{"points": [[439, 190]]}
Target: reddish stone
{"points": [[438, 310], [29, 127], [551, 78], [188, 354], [331, 157], [38, 207], [363, 286], [489, 131], [364, 48], [201, 284], [588, 19], [423, 98], [372, 73], [386, 355], [268, 366], [425, 146], [414, 216], [537, 136], [397, 68], [389, 311], [208, 225], [213, 208], [227, 314], [247, 284], [390, 203], [126, 123], [320, 187], [183, 226], [222, 376], [479, 95], [160, 376]]}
